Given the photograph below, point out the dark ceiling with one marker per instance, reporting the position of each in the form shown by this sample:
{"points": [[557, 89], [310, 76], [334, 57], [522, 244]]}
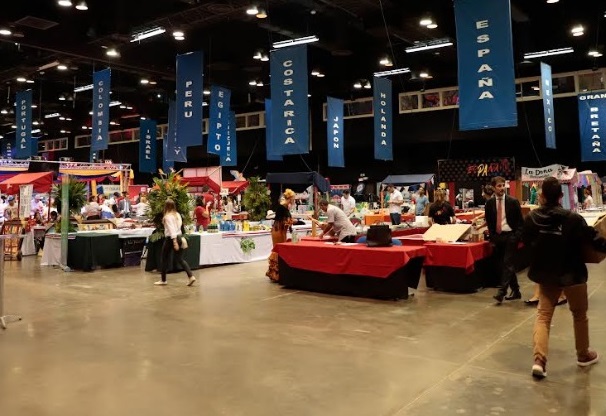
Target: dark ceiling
{"points": [[354, 35]]}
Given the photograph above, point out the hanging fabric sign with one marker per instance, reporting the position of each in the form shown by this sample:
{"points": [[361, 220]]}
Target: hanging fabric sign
{"points": [[487, 95], [147, 146], [269, 152], [101, 89], [167, 165], [383, 108], [23, 115], [547, 91], [8, 146], [592, 119], [290, 109], [218, 120], [175, 151], [190, 79], [335, 133], [92, 155], [230, 156]]}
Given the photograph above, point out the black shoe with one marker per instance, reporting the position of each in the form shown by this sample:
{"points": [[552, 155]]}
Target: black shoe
{"points": [[514, 295], [499, 298], [562, 302], [531, 302]]}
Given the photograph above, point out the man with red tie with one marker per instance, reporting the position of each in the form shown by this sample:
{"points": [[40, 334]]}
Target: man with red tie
{"points": [[504, 221]]}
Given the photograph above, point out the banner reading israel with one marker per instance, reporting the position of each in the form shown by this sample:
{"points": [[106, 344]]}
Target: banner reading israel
{"points": [[230, 156], [101, 90], [382, 105], [190, 79], [219, 120], [547, 91], [487, 95], [147, 146], [592, 122], [335, 133], [23, 114], [175, 152], [290, 107], [269, 151]]}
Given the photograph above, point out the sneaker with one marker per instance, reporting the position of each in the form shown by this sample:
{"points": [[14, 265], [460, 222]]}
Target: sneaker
{"points": [[538, 370], [160, 283], [590, 358], [191, 281]]}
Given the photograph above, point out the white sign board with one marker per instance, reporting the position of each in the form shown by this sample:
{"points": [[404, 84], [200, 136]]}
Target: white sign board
{"points": [[25, 200], [529, 174]]}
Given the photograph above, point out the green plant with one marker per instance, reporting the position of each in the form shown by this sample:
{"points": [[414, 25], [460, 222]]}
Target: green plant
{"points": [[77, 195], [256, 199], [168, 186], [247, 245]]}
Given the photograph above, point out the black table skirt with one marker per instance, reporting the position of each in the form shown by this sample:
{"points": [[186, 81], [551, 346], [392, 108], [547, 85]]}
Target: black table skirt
{"points": [[90, 251], [191, 255], [393, 287]]}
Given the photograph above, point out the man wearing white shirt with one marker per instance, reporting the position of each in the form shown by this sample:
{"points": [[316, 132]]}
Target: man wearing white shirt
{"points": [[395, 204], [348, 203]]}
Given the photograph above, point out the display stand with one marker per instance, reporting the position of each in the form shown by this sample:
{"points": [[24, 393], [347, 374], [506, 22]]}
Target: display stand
{"points": [[5, 319], [12, 232]]}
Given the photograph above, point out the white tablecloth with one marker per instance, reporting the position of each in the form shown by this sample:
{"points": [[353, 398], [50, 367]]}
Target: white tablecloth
{"points": [[28, 247], [224, 248]]}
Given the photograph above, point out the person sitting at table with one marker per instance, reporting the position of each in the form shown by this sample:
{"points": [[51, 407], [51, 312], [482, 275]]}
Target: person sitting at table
{"points": [[201, 214], [106, 211], [441, 212], [282, 222], [92, 211], [116, 211], [337, 223]]}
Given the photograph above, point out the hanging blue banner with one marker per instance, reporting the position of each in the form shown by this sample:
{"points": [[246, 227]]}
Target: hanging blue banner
{"points": [[290, 109], [547, 92], [190, 83], [147, 146], [230, 155], [335, 133], [592, 119], [23, 115], [218, 120], [8, 146], [487, 94], [93, 155], [382, 105], [101, 89], [175, 152], [269, 152], [167, 165]]}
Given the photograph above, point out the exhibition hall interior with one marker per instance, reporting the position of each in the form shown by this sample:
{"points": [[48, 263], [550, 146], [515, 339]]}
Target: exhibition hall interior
{"points": [[302, 207]]}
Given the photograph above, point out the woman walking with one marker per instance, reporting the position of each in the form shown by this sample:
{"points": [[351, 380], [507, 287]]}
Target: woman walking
{"points": [[173, 240], [282, 222]]}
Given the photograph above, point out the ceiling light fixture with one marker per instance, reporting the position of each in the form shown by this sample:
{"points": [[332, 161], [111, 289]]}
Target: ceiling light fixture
{"points": [[260, 83], [293, 42], [357, 85], [82, 6], [4, 111], [258, 55], [21, 79], [253, 82], [315, 73], [147, 34], [52, 115], [432, 26], [426, 21], [62, 98], [114, 103], [34, 106], [434, 44], [386, 61], [64, 3], [30, 81], [252, 10], [321, 75], [264, 58], [423, 75], [595, 54], [178, 34], [112, 52], [83, 88], [206, 91], [552, 1], [179, 37], [392, 72], [367, 85], [578, 30], [262, 14], [144, 81], [62, 67], [550, 52], [5, 32]]}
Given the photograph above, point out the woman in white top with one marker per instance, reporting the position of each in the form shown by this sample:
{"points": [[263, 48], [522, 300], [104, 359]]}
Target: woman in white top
{"points": [[588, 200], [172, 241]]}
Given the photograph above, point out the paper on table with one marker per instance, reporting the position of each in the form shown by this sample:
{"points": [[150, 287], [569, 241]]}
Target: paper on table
{"points": [[448, 233]]}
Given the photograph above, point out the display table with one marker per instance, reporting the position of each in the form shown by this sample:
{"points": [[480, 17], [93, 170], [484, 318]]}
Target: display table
{"points": [[89, 251], [225, 248], [394, 234], [191, 255], [350, 269]]}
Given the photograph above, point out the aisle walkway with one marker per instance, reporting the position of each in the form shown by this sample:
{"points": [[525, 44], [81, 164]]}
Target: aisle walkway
{"points": [[112, 343]]}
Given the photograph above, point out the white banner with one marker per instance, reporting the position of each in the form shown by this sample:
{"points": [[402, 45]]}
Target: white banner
{"points": [[529, 174], [25, 200]]}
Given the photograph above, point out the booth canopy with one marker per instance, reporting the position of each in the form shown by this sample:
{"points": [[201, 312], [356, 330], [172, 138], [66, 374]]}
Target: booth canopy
{"points": [[234, 187], [300, 178], [42, 181], [409, 179]]}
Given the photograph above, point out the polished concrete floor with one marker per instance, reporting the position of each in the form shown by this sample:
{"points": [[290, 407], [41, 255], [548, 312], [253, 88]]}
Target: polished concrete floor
{"points": [[112, 343]]}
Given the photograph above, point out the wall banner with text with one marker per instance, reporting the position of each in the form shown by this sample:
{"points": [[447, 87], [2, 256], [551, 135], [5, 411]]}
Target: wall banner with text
{"points": [[218, 120], [335, 133], [147, 146], [190, 84], [382, 105], [592, 122], [101, 90]]}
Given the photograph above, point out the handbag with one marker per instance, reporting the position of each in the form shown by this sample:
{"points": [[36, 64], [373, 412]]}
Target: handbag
{"points": [[184, 244], [378, 235]]}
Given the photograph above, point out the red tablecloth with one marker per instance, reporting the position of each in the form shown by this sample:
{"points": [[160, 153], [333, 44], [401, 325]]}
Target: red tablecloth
{"points": [[357, 259], [394, 234], [461, 256]]}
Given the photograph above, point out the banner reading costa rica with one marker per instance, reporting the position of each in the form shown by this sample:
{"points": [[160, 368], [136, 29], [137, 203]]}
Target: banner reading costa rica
{"points": [[592, 119], [487, 95], [290, 106], [147, 146], [23, 115], [269, 152], [335, 133], [382, 105], [230, 155], [101, 90], [547, 92], [190, 80], [218, 120]]}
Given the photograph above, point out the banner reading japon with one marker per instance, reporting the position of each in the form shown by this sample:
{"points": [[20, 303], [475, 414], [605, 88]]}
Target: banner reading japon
{"points": [[147, 146], [190, 82], [487, 95], [230, 156], [547, 92], [335, 133], [23, 115], [592, 115], [101, 89], [218, 120], [290, 105], [383, 108], [269, 152], [175, 151]]}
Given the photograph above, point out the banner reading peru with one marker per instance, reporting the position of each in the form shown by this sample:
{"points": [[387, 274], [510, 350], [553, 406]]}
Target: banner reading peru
{"points": [[487, 95], [290, 107], [101, 89], [147, 146], [592, 122], [190, 78], [383, 108]]}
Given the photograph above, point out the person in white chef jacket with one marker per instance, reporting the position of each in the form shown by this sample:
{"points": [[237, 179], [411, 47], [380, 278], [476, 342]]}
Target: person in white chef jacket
{"points": [[348, 203]]}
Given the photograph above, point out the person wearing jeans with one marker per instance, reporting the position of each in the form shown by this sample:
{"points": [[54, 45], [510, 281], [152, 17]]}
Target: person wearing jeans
{"points": [[556, 238], [395, 204]]}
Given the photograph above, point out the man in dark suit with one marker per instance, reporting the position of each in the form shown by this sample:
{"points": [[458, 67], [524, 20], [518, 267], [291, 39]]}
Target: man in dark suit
{"points": [[124, 205], [504, 221]]}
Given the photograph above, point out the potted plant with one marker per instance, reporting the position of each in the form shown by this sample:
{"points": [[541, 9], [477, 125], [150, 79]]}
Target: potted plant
{"points": [[77, 197], [256, 199], [168, 186]]}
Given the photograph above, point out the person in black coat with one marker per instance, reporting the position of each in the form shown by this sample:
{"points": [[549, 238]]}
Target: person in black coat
{"points": [[505, 233], [557, 238]]}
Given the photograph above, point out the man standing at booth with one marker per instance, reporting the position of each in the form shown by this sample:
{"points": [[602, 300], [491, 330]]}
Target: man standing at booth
{"points": [[348, 203], [504, 220], [395, 204], [337, 223]]}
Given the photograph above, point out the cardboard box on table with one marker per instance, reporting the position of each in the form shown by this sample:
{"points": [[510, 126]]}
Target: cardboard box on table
{"points": [[446, 233], [591, 255]]}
